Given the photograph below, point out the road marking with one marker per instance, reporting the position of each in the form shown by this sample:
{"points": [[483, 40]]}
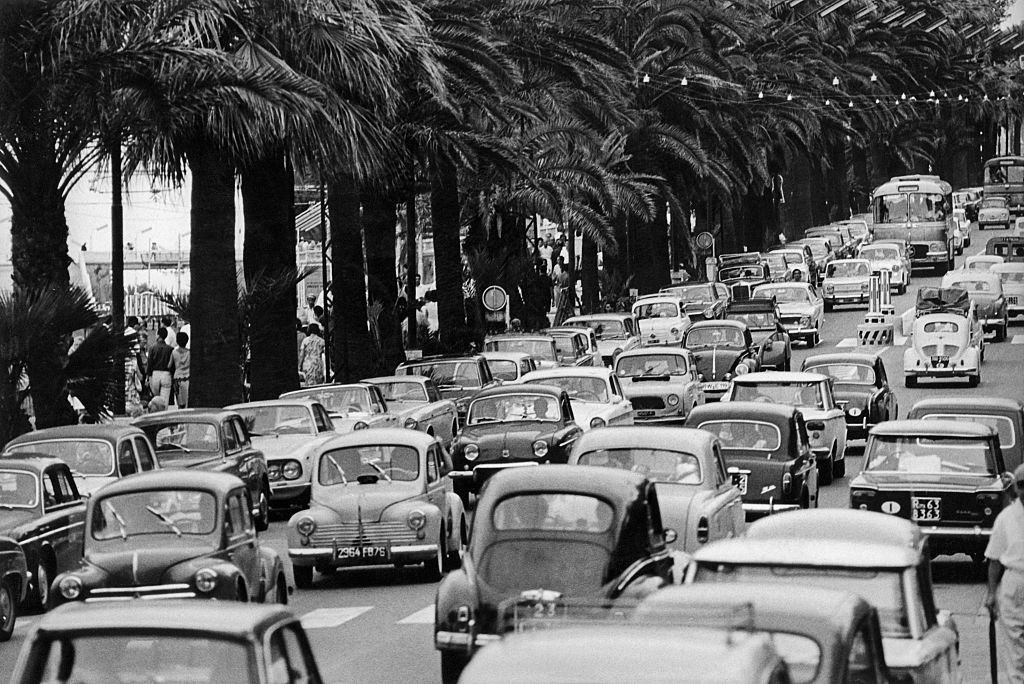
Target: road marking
{"points": [[420, 617], [847, 342], [897, 341], [1017, 339], [22, 623], [323, 618]]}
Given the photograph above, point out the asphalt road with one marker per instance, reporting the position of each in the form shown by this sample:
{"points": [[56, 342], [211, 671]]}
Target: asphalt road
{"points": [[375, 625]]}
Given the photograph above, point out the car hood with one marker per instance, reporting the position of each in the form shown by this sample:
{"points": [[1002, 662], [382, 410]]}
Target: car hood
{"points": [[282, 446], [892, 480], [496, 433], [10, 519], [137, 565], [676, 502], [404, 409], [885, 264], [796, 308], [713, 364], [759, 335], [585, 411], [347, 423], [367, 502], [608, 347], [847, 280], [907, 653]]}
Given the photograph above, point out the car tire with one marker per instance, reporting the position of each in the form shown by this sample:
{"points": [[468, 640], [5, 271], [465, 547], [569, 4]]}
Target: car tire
{"points": [[452, 665], [262, 520], [973, 380], [303, 576], [39, 596], [839, 469], [943, 269], [8, 611], [901, 289], [828, 306], [910, 381], [453, 560], [281, 590], [812, 340], [826, 469], [1001, 331], [433, 569]]}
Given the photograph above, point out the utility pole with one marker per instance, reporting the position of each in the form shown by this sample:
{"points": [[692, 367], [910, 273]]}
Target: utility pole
{"points": [[117, 264]]}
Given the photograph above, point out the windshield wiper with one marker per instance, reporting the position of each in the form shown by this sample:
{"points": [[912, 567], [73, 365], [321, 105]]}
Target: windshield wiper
{"points": [[172, 445], [337, 467], [165, 520], [120, 521], [380, 470]]}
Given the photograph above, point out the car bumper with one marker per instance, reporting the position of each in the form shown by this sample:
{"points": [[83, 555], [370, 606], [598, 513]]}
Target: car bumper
{"points": [[713, 391], [956, 539], [288, 492], [800, 331], [659, 420], [821, 452], [761, 509], [474, 478], [957, 372], [846, 299], [462, 641], [328, 556]]}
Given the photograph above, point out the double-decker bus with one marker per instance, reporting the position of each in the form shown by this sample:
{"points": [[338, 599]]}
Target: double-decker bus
{"points": [[1004, 177], [917, 209]]}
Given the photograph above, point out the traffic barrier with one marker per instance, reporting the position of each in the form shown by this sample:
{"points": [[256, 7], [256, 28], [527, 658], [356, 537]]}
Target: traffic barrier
{"points": [[885, 289], [874, 334], [874, 294]]}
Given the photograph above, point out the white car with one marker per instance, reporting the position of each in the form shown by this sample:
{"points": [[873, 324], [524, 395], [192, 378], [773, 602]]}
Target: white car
{"points": [[945, 346], [615, 333], [661, 383], [982, 262], [1012, 275], [662, 319], [595, 394], [418, 404], [801, 309], [354, 406], [846, 282], [994, 211], [892, 257], [509, 366]]}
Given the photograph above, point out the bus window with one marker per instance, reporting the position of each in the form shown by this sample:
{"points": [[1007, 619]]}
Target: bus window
{"points": [[891, 209], [927, 207]]}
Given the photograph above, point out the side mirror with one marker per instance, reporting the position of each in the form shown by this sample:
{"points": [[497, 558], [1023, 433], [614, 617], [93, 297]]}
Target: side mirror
{"points": [[670, 535], [816, 425]]}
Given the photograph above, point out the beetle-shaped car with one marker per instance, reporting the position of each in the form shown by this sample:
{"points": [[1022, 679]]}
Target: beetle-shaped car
{"points": [[947, 340], [721, 350]]}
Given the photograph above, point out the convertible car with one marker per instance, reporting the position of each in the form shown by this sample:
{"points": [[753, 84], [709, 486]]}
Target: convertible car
{"points": [[861, 388], [595, 394], [721, 350]]}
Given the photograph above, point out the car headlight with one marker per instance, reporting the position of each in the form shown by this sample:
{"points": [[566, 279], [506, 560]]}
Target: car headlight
{"points": [[896, 268], [864, 287], [829, 289], [741, 369], [672, 400], [412, 423], [416, 519], [674, 331], [471, 452], [305, 526], [360, 426], [805, 321], [709, 313], [70, 587], [273, 472], [597, 422], [292, 470], [206, 580], [540, 448]]}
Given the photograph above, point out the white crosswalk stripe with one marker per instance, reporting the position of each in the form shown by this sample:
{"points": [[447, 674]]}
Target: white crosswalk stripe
{"points": [[847, 342], [1017, 339], [420, 617], [897, 341], [324, 618]]}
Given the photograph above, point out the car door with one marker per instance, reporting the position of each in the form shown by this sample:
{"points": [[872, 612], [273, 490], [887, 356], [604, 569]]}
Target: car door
{"points": [[379, 409], [889, 407], [288, 657], [251, 460], [835, 419], [622, 413], [240, 538], [63, 517], [233, 459], [127, 461], [435, 479], [728, 500]]}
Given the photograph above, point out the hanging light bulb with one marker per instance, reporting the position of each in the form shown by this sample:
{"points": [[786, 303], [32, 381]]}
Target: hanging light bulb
{"points": [[789, 97], [828, 103], [835, 80], [960, 98], [903, 96], [877, 101], [647, 78], [760, 95], [684, 81], [985, 98], [931, 93], [850, 104], [874, 79]]}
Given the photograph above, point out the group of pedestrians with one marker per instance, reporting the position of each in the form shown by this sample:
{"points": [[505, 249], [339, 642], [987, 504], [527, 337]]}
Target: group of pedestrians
{"points": [[156, 375]]}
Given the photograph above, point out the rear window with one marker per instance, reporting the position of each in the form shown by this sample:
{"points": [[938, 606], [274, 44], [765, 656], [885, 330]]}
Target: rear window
{"points": [[656, 310], [83, 456], [1002, 424], [554, 512], [503, 370], [744, 434], [661, 465], [941, 327], [804, 394], [846, 373]]}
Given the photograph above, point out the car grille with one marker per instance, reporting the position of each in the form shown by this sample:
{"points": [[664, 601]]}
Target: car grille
{"points": [[848, 289], [347, 534], [642, 403], [918, 251], [741, 292], [154, 591], [790, 320]]}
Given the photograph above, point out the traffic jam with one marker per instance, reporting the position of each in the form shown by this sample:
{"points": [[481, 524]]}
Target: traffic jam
{"points": [[710, 476]]}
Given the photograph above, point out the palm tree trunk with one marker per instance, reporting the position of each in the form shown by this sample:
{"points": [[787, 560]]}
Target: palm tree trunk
{"points": [[353, 353], [216, 366], [380, 216], [588, 276], [268, 256], [661, 265], [444, 210]]}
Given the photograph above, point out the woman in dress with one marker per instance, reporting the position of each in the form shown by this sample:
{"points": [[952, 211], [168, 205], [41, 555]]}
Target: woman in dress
{"points": [[311, 356]]}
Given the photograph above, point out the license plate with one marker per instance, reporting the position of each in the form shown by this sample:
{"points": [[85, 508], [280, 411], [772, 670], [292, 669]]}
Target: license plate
{"points": [[644, 413], [740, 481], [715, 386], [364, 553], [940, 360], [1011, 300], [925, 508]]}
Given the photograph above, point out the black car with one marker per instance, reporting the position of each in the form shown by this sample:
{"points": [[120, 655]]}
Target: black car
{"points": [[41, 509], [741, 273], [702, 301], [721, 350], [767, 453], [762, 318], [173, 534], [545, 534], [512, 426], [861, 389], [13, 584], [458, 378]]}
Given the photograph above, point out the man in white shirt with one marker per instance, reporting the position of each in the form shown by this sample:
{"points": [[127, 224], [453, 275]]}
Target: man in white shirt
{"points": [[1005, 598]]}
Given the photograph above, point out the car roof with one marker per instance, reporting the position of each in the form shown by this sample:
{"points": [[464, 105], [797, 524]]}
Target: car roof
{"points": [[110, 432], [324, 386], [792, 552], [718, 323], [573, 329], [962, 274], [433, 358], [657, 296], [841, 524], [655, 349], [610, 314], [645, 437], [601, 372], [189, 415], [419, 379], [383, 435], [518, 336], [515, 388], [968, 404], [752, 304], [946, 428], [885, 242], [750, 410], [612, 483], [175, 478], [778, 376], [303, 402], [851, 261], [796, 284], [867, 358], [238, 620], [925, 183], [35, 463]]}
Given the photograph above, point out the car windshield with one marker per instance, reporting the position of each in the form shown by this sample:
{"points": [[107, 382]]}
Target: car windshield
{"points": [[537, 348], [564, 346], [845, 373], [803, 394], [695, 293], [508, 408], [790, 258], [993, 203], [792, 295], [504, 370], [1001, 424], [407, 391], [656, 310], [881, 588], [651, 364], [1011, 276], [447, 374], [604, 328], [86, 457], [169, 658], [394, 462], [174, 512], [776, 263], [18, 489], [721, 336], [755, 320], [183, 441], [975, 286], [981, 264], [848, 269], [740, 272], [579, 388], [277, 420], [338, 400], [929, 455], [880, 254], [818, 248], [913, 207], [745, 434], [661, 465]]}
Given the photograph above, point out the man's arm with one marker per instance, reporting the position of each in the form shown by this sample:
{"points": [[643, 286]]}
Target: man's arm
{"points": [[995, 574]]}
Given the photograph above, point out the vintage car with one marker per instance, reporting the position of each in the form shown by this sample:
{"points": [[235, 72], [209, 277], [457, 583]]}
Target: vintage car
{"points": [[41, 509], [824, 635], [96, 454], [994, 211], [1009, 247], [576, 343], [703, 301], [1004, 414], [511, 427], [798, 260], [14, 582], [967, 201], [767, 454], [764, 321], [982, 262], [211, 440], [615, 333], [173, 534], [509, 366], [821, 252], [288, 432], [353, 406], [879, 557], [419, 406], [947, 341], [662, 319], [947, 476], [544, 534], [846, 282], [1012, 276], [741, 279], [986, 292], [603, 653], [841, 238], [801, 309], [813, 395], [595, 394], [167, 641], [889, 256], [861, 228], [379, 498], [696, 495], [860, 387], [543, 348], [457, 377], [779, 269], [662, 384], [721, 350]]}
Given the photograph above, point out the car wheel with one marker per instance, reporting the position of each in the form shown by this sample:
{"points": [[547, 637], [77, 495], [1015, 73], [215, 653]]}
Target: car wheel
{"points": [[839, 469], [910, 381], [433, 569], [453, 561], [39, 597], [828, 306], [812, 340], [902, 288], [303, 576], [805, 499], [1001, 331], [787, 364], [8, 611], [825, 469], [263, 516], [943, 269], [973, 380], [452, 665]]}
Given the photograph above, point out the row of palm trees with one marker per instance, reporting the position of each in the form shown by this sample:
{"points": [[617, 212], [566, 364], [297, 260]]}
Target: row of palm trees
{"points": [[615, 119]]}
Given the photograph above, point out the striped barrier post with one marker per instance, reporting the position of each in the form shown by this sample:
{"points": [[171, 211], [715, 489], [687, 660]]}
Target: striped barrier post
{"points": [[884, 288], [874, 296], [876, 330]]}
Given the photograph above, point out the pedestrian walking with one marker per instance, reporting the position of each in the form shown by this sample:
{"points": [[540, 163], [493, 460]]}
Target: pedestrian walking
{"points": [[300, 335], [1005, 598], [181, 367], [172, 334], [311, 357], [159, 366]]}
